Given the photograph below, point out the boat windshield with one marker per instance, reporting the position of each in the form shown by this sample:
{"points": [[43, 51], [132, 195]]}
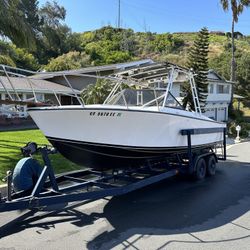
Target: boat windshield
{"points": [[145, 98]]}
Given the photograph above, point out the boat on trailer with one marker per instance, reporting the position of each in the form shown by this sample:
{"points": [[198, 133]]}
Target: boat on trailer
{"points": [[124, 131], [132, 145]]}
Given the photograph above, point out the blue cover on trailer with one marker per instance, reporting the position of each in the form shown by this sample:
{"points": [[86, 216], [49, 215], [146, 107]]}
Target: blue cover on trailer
{"points": [[26, 174]]}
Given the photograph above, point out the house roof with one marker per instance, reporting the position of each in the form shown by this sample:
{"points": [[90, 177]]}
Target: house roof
{"points": [[238, 96], [213, 76], [22, 84], [112, 68]]}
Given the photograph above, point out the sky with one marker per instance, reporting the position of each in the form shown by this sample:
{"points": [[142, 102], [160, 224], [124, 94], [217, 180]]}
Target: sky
{"points": [[152, 15]]}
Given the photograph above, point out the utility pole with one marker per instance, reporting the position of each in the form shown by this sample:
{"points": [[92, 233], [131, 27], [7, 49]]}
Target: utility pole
{"points": [[119, 14]]}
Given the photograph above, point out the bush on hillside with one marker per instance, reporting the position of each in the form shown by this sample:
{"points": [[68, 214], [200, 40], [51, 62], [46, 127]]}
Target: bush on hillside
{"points": [[23, 59], [6, 60], [71, 60]]}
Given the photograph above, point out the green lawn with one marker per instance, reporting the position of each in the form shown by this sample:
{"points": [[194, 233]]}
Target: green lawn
{"points": [[11, 142]]}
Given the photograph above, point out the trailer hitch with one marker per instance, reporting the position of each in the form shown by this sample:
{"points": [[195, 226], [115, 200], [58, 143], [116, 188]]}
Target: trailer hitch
{"points": [[31, 148]]}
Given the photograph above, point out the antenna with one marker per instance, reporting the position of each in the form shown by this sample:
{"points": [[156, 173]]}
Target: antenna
{"points": [[119, 14]]}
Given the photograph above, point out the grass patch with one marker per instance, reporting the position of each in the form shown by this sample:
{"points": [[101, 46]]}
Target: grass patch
{"points": [[10, 154]]}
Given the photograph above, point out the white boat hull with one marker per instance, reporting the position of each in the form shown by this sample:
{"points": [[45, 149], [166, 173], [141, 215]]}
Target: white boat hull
{"points": [[101, 136]]}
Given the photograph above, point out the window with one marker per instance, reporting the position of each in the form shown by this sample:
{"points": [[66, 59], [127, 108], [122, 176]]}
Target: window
{"points": [[222, 89], [29, 97], [211, 88], [14, 96], [39, 97]]}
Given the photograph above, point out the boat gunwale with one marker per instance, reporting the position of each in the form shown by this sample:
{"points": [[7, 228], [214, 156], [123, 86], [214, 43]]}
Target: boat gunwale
{"points": [[80, 108]]}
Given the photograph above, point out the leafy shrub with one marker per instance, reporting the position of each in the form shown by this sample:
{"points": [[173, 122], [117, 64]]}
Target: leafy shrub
{"points": [[98, 92], [23, 59], [6, 60], [17, 57], [71, 60]]}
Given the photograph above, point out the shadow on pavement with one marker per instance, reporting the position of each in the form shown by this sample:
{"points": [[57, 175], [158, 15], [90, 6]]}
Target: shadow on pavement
{"points": [[178, 206]]}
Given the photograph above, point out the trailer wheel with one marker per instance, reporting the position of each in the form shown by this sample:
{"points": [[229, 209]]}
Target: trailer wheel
{"points": [[211, 165], [200, 172]]}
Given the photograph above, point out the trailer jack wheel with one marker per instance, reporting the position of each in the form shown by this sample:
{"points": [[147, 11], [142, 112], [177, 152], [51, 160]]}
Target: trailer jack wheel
{"points": [[200, 172], [211, 166]]}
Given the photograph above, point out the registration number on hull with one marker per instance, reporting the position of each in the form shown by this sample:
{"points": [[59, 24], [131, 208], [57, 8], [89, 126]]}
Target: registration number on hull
{"points": [[101, 113]]}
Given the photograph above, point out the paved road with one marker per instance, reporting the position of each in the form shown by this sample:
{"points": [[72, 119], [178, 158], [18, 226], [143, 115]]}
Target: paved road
{"points": [[175, 214]]}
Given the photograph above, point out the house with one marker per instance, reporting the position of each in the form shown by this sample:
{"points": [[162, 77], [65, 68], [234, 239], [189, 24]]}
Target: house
{"points": [[218, 98], [27, 89]]}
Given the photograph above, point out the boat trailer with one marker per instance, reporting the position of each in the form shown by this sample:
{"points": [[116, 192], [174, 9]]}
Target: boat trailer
{"points": [[51, 192]]}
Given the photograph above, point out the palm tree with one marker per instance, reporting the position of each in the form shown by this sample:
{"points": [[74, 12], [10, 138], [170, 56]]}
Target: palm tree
{"points": [[237, 7], [13, 24], [98, 92]]}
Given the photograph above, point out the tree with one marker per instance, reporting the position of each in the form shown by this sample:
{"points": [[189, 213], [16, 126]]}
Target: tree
{"points": [[6, 60], [55, 38], [71, 60], [52, 14], [31, 14], [221, 63], [98, 92], [14, 22], [198, 62], [24, 59], [243, 73], [17, 57], [237, 7]]}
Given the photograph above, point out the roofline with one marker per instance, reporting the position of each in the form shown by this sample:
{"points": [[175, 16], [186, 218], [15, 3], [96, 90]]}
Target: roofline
{"points": [[219, 81], [40, 91], [235, 96]]}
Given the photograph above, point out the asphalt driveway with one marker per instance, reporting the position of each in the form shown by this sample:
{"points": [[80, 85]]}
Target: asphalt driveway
{"points": [[175, 214]]}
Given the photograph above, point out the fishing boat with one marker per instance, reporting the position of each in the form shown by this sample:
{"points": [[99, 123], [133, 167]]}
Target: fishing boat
{"points": [[128, 130]]}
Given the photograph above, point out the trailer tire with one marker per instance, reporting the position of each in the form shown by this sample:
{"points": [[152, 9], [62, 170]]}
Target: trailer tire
{"points": [[211, 165], [200, 171]]}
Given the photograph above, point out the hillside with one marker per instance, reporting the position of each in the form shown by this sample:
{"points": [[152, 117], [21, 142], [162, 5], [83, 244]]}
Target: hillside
{"points": [[111, 45]]}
